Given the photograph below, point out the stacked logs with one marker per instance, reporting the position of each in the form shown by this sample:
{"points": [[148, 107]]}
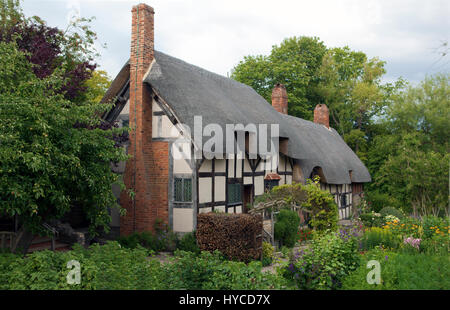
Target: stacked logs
{"points": [[237, 236]]}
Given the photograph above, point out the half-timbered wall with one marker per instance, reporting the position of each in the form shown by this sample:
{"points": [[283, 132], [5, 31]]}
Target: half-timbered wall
{"points": [[343, 197]]}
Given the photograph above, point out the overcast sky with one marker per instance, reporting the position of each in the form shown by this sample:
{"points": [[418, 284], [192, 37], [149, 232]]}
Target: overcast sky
{"points": [[217, 34]]}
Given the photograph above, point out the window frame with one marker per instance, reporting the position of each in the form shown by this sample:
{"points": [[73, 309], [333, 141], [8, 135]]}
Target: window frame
{"points": [[183, 179], [237, 185]]}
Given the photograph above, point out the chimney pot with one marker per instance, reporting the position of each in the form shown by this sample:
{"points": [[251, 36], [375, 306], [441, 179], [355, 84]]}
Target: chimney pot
{"points": [[322, 115], [280, 99]]}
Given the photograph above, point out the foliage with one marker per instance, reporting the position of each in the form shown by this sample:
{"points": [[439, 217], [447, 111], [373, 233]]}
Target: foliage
{"points": [[324, 212], [319, 204], [304, 234], [97, 86], [212, 271], [294, 63], [48, 164], [372, 219], [112, 267], [410, 160], [376, 236], [102, 267], [188, 243], [49, 48], [392, 211], [325, 263], [286, 227], [401, 271], [267, 253], [163, 239]]}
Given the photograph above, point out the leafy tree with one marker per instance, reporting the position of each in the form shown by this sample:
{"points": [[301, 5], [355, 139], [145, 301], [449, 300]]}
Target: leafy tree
{"points": [[47, 163], [49, 48], [293, 63], [97, 86], [411, 160]]}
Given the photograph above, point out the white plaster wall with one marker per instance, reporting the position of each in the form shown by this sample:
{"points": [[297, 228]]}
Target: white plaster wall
{"points": [[219, 186], [247, 167], [205, 190], [220, 165], [206, 166], [180, 166], [247, 180], [238, 209], [259, 185], [183, 220], [239, 168]]}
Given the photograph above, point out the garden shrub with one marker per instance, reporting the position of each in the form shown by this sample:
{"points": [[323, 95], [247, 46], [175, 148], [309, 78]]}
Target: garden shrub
{"points": [[401, 271], [323, 209], [286, 227], [372, 219], [267, 253], [325, 263], [378, 201], [375, 236], [304, 234], [108, 266], [392, 211], [188, 243], [433, 225], [237, 236], [145, 239], [319, 204], [211, 271]]}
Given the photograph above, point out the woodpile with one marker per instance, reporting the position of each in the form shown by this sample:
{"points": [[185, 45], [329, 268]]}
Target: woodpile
{"points": [[237, 236]]}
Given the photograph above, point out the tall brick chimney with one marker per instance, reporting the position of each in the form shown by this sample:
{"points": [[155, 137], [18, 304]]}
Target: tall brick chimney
{"points": [[150, 201], [280, 99], [322, 115]]}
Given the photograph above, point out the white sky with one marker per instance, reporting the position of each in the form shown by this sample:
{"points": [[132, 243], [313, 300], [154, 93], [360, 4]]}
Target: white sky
{"points": [[217, 34]]}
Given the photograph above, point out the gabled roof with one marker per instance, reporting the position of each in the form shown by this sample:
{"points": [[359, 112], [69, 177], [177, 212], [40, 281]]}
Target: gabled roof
{"points": [[191, 91]]}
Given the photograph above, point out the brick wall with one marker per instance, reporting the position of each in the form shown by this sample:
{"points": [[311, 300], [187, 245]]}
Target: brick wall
{"points": [[147, 173]]}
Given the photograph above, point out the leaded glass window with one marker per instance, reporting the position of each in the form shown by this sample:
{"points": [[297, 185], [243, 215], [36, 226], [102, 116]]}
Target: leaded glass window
{"points": [[234, 193], [182, 189]]}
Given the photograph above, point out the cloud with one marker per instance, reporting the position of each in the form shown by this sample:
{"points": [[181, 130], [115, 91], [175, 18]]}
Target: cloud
{"points": [[216, 35]]}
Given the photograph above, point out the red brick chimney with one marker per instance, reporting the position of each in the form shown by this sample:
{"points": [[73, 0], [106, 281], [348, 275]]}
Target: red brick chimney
{"points": [[146, 173], [322, 115], [280, 99]]}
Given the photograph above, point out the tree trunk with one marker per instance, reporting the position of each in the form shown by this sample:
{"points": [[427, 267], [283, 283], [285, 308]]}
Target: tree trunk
{"points": [[23, 241]]}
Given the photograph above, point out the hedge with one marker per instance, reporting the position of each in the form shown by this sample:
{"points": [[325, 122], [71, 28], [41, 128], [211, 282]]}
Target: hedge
{"points": [[237, 236]]}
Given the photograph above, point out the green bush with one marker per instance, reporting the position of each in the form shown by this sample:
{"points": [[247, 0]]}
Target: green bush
{"points": [[392, 211], [320, 205], [378, 201], [286, 227], [145, 239], [102, 267], [325, 263], [267, 253], [375, 236], [431, 223], [112, 267], [372, 219], [401, 271], [188, 243], [212, 271]]}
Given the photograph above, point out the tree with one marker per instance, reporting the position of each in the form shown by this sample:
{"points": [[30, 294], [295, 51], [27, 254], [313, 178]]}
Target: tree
{"points": [[411, 160], [294, 63], [47, 162], [49, 48]]}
